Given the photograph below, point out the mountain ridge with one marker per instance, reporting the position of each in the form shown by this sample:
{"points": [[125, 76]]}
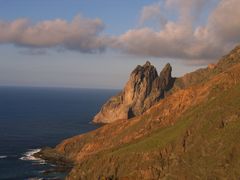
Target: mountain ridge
{"points": [[164, 142]]}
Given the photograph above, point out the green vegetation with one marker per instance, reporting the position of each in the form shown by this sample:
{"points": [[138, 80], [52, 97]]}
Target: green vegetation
{"points": [[214, 143], [158, 139], [202, 143], [212, 146]]}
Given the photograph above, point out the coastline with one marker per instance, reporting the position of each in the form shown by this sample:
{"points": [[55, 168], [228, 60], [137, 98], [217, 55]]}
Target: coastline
{"points": [[34, 118], [59, 164], [59, 170]]}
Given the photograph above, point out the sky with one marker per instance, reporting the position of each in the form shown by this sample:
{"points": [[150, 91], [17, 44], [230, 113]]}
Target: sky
{"points": [[96, 44]]}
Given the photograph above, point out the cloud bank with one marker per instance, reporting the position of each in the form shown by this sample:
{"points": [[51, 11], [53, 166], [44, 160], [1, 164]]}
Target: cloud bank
{"points": [[185, 36]]}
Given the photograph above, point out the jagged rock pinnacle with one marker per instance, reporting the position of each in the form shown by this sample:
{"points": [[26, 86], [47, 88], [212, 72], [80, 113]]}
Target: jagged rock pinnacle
{"points": [[166, 76], [143, 89], [147, 63]]}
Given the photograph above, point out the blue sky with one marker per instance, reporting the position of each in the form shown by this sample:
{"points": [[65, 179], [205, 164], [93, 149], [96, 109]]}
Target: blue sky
{"points": [[96, 44], [118, 16]]}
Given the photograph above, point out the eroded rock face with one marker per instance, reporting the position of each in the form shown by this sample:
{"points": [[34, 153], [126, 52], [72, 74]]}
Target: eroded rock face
{"points": [[143, 89]]}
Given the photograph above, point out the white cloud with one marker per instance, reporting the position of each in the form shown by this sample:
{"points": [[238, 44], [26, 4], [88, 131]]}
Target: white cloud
{"points": [[189, 10], [146, 42], [152, 12], [80, 34], [182, 39], [224, 22]]}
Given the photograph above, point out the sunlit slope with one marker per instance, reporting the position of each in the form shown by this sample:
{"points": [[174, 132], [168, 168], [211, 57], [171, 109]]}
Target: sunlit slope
{"points": [[203, 143], [193, 133]]}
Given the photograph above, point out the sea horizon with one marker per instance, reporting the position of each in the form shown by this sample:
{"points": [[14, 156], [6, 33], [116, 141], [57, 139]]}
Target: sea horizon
{"points": [[58, 87]]}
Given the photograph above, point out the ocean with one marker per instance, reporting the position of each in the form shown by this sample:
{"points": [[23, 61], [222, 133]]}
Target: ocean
{"points": [[32, 118]]}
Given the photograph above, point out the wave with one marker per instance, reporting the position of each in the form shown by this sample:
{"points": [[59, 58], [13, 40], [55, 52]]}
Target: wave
{"points": [[28, 156], [3, 157]]}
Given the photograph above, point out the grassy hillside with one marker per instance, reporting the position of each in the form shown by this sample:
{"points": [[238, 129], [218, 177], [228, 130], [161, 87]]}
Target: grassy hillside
{"points": [[203, 144], [193, 133]]}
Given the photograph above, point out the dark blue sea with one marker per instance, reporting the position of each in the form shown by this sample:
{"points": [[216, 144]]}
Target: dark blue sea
{"points": [[31, 118]]}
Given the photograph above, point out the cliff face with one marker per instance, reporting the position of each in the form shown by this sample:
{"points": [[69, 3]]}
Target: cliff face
{"points": [[143, 89]]}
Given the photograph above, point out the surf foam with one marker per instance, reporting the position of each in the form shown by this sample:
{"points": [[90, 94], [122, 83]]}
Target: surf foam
{"points": [[28, 156], [3, 157]]}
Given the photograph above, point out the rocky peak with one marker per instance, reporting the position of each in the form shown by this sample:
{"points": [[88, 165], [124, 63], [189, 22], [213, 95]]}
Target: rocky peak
{"points": [[145, 70], [147, 64], [166, 71], [143, 89], [165, 77], [145, 74]]}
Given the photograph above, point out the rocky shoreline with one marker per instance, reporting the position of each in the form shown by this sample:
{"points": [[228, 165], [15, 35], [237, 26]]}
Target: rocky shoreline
{"points": [[61, 164]]}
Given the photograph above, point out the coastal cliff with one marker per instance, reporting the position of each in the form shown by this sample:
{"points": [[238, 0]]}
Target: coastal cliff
{"points": [[143, 89], [193, 133]]}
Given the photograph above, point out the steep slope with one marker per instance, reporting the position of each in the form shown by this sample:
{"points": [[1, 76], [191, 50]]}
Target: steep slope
{"points": [[143, 89], [203, 144], [205, 74], [193, 133]]}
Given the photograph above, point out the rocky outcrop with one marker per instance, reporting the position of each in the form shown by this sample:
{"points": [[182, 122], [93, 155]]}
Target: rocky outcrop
{"points": [[143, 89]]}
